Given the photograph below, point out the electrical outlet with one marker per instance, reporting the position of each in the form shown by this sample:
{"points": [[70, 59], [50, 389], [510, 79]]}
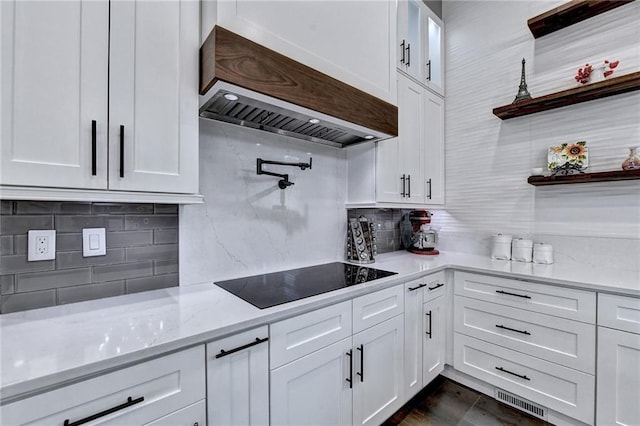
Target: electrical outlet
{"points": [[42, 245]]}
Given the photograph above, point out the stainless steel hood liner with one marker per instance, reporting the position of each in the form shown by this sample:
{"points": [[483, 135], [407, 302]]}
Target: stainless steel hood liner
{"points": [[249, 85]]}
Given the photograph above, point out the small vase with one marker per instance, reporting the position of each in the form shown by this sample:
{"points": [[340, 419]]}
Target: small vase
{"points": [[632, 162]]}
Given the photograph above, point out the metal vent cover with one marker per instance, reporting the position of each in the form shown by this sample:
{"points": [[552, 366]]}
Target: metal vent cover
{"points": [[521, 404], [249, 112]]}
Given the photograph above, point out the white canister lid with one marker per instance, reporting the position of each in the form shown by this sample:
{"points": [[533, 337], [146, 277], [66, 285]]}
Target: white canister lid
{"points": [[500, 238], [522, 243]]}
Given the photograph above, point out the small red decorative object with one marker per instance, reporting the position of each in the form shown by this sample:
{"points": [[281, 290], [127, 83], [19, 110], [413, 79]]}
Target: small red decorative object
{"points": [[608, 67], [584, 74]]}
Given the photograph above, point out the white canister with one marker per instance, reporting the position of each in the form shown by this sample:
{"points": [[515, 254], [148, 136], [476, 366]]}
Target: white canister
{"points": [[501, 247], [543, 253], [522, 250]]}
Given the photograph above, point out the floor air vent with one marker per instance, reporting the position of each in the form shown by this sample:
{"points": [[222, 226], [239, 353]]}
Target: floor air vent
{"points": [[521, 404]]}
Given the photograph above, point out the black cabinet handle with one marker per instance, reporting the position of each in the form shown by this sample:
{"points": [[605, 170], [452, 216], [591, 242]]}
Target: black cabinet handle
{"points": [[361, 373], [94, 164], [239, 348], [513, 329], [428, 333], [416, 287], [513, 374], [402, 47], [408, 54], [404, 181], [429, 184], [121, 151], [524, 296], [436, 286], [129, 403], [429, 66], [408, 186], [350, 379]]}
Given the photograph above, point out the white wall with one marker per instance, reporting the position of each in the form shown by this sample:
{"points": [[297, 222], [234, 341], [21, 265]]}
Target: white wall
{"points": [[488, 160], [248, 225]]}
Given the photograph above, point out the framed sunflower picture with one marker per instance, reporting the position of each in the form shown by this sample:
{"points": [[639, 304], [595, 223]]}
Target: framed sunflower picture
{"points": [[568, 156]]}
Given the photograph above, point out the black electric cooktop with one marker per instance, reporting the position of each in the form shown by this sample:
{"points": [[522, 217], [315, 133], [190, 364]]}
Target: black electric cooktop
{"points": [[267, 290]]}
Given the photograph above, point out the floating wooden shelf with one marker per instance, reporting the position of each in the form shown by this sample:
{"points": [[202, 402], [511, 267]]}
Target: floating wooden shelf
{"points": [[585, 177], [569, 14], [587, 92]]}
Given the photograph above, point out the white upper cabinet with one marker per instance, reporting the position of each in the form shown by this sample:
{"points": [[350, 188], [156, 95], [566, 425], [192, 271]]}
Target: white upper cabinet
{"points": [[153, 96], [74, 72], [54, 87], [433, 168], [352, 41], [420, 44]]}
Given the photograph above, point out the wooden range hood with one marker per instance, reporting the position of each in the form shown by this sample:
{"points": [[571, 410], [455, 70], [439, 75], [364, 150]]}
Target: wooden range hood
{"points": [[277, 94]]}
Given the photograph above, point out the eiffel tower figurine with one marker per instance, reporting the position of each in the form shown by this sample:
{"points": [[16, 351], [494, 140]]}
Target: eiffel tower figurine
{"points": [[523, 93]]}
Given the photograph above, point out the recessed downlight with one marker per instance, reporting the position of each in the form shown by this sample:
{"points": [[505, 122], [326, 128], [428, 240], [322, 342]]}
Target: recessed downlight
{"points": [[314, 121], [230, 97], [369, 137]]}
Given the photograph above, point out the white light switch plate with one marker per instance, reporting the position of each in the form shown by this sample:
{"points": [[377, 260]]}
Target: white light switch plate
{"points": [[94, 242], [41, 245]]}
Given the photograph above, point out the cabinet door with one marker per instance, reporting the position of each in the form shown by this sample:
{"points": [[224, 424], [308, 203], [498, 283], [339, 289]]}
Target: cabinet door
{"points": [[153, 99], [433, 148], [434, 339], [433, 64], [410, 40], [378, 387], [411, 138], [193, 415], [238, 383], [413, 337], [332, 37], [54, 85], [388, 183], [313, 390], [618, 375]]}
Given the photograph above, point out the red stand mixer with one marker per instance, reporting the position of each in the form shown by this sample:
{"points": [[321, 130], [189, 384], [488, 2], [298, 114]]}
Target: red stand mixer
{"points": [[424, 238]]}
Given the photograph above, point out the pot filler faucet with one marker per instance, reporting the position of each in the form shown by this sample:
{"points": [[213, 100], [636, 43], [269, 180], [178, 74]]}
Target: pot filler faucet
{"points": [[284, 182]]}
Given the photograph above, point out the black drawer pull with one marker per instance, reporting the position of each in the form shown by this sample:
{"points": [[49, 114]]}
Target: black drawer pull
{"points": [[404, 182], [429, 65], [408, 54], [409, 186], [429, 183], [436, 286], [402, 48], [513, 329], [524, 296], [513, 374], [129, 403], [121, 151], [428, 333], [416, 287], [361, 373], [94, 165], [350, 379], [239, 348]]}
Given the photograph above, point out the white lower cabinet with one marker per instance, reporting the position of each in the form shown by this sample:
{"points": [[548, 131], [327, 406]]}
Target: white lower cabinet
{"points": [[424, 332], [322, 374], [165, 390], [238, 379], [434, 339], [618, 371]]}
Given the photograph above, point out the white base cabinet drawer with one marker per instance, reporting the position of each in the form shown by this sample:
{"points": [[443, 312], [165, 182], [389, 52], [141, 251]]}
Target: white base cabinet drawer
{"points": [[566, 342], [619, 312], [299, 336], [166, 384], [562, 302], [559, 388], [436, 286], [374, 308]]}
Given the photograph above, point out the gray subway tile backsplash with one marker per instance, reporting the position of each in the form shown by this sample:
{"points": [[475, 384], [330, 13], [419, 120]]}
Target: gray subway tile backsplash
{"points": [[90, 292], [52, 279], [387, 224], [142, 257], [23, 301]]}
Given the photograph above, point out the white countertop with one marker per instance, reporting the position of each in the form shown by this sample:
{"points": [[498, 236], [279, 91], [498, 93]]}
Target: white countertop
{"points": [[44, 347]]}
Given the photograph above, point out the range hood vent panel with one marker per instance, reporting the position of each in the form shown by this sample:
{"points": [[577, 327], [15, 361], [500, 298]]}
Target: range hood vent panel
{"points": [[277, 94]]}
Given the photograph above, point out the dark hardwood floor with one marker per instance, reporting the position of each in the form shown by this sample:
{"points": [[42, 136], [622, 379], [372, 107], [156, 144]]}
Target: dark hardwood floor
{"points": [[447, 403]]}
